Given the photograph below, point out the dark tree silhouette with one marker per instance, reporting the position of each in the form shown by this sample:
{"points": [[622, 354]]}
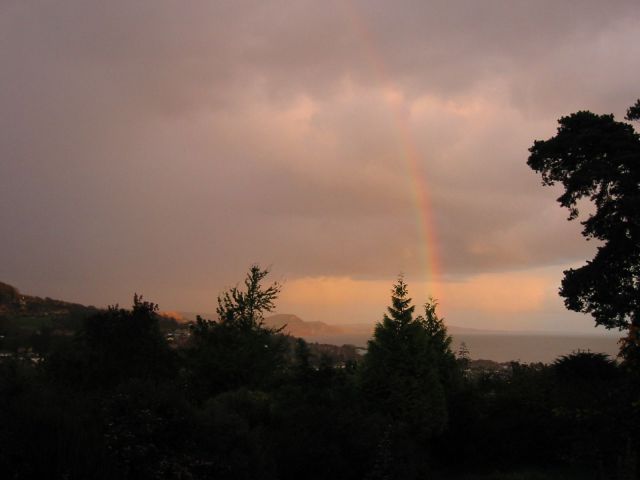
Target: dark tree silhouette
{"points": [[114, 346], [400, 369], [633, 112], [598, 158], [246, 309], [242, 401], [440, 344], [590, 409], [237, 350]]}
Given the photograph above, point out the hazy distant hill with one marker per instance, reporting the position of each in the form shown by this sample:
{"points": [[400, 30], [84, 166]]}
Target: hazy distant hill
{"points": [[28, 321], [15, 304], [301, 328], [8, 293], [294, 325], [22, 315]]}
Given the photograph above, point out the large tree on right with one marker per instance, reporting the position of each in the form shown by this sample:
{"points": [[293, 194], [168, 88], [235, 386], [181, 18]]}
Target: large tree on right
{"points": [[597, 158]]}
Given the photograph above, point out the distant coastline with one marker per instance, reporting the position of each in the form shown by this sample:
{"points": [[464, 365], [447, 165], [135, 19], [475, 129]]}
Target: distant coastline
{"points": [[508, 346]]}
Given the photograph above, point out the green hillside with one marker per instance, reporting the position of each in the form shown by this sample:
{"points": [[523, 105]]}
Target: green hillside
{"points": [[27, 320]]}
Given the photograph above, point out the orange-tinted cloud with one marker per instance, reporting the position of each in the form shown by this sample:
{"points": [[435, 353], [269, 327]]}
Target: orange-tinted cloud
{"points": [[162, 148], [491, 301]]}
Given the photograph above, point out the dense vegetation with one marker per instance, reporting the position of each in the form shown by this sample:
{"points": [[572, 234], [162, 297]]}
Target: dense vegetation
{"points": [[596, 159], [239, 400]]}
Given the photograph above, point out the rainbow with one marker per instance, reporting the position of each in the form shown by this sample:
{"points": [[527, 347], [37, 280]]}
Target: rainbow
{"points": [[428, 241]]}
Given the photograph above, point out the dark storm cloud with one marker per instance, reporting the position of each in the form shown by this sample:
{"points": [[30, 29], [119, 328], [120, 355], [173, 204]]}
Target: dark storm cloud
{"points": [[163, 146]]}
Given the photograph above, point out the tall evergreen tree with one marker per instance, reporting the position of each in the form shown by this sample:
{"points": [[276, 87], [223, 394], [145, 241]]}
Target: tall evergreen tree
{"points": [[401, 310], [400, 373], [440, 341]]}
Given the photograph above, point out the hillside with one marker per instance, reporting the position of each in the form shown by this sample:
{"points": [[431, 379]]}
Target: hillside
{"points": [[25, 318], [14, 304], [294, 325]]}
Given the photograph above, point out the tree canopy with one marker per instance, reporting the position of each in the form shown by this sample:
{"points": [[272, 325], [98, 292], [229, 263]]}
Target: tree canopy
{"points": [[400, 369], [237, 349], [237, 400], [114, 346], [597, 158], [246, 308]]}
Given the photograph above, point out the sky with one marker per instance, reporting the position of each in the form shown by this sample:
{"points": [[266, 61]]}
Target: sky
{"points": [[162, 147]]}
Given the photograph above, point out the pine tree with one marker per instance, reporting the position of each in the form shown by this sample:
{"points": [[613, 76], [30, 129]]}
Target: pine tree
{"points": [[401, 310], [440, 344], [400, 369]]}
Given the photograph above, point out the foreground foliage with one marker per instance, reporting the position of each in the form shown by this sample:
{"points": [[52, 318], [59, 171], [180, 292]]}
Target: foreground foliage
{"points": [[241, 401], [597, 158]]}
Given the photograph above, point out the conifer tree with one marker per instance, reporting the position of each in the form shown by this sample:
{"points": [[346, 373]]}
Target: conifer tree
{"points": [[400, 373], [401, 310], [440, 341]]}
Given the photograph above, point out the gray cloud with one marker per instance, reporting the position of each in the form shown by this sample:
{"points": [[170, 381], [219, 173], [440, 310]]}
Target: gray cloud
{"points": [[162, 147]]}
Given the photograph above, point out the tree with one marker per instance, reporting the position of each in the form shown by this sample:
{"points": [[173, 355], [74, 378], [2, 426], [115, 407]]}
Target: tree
{"points": [[597, 158], [633, 112], [237, 350], [590, 408], [402, 383], [115, 346], [440, 343], [246, 309], [400, 371]]}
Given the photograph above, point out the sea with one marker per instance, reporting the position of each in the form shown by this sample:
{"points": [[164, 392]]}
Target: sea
{"points": [[506, 347]]}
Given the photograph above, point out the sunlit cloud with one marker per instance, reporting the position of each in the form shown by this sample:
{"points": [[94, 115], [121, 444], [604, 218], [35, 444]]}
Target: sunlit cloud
{"points": [[511, 300], [156, 148]]}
